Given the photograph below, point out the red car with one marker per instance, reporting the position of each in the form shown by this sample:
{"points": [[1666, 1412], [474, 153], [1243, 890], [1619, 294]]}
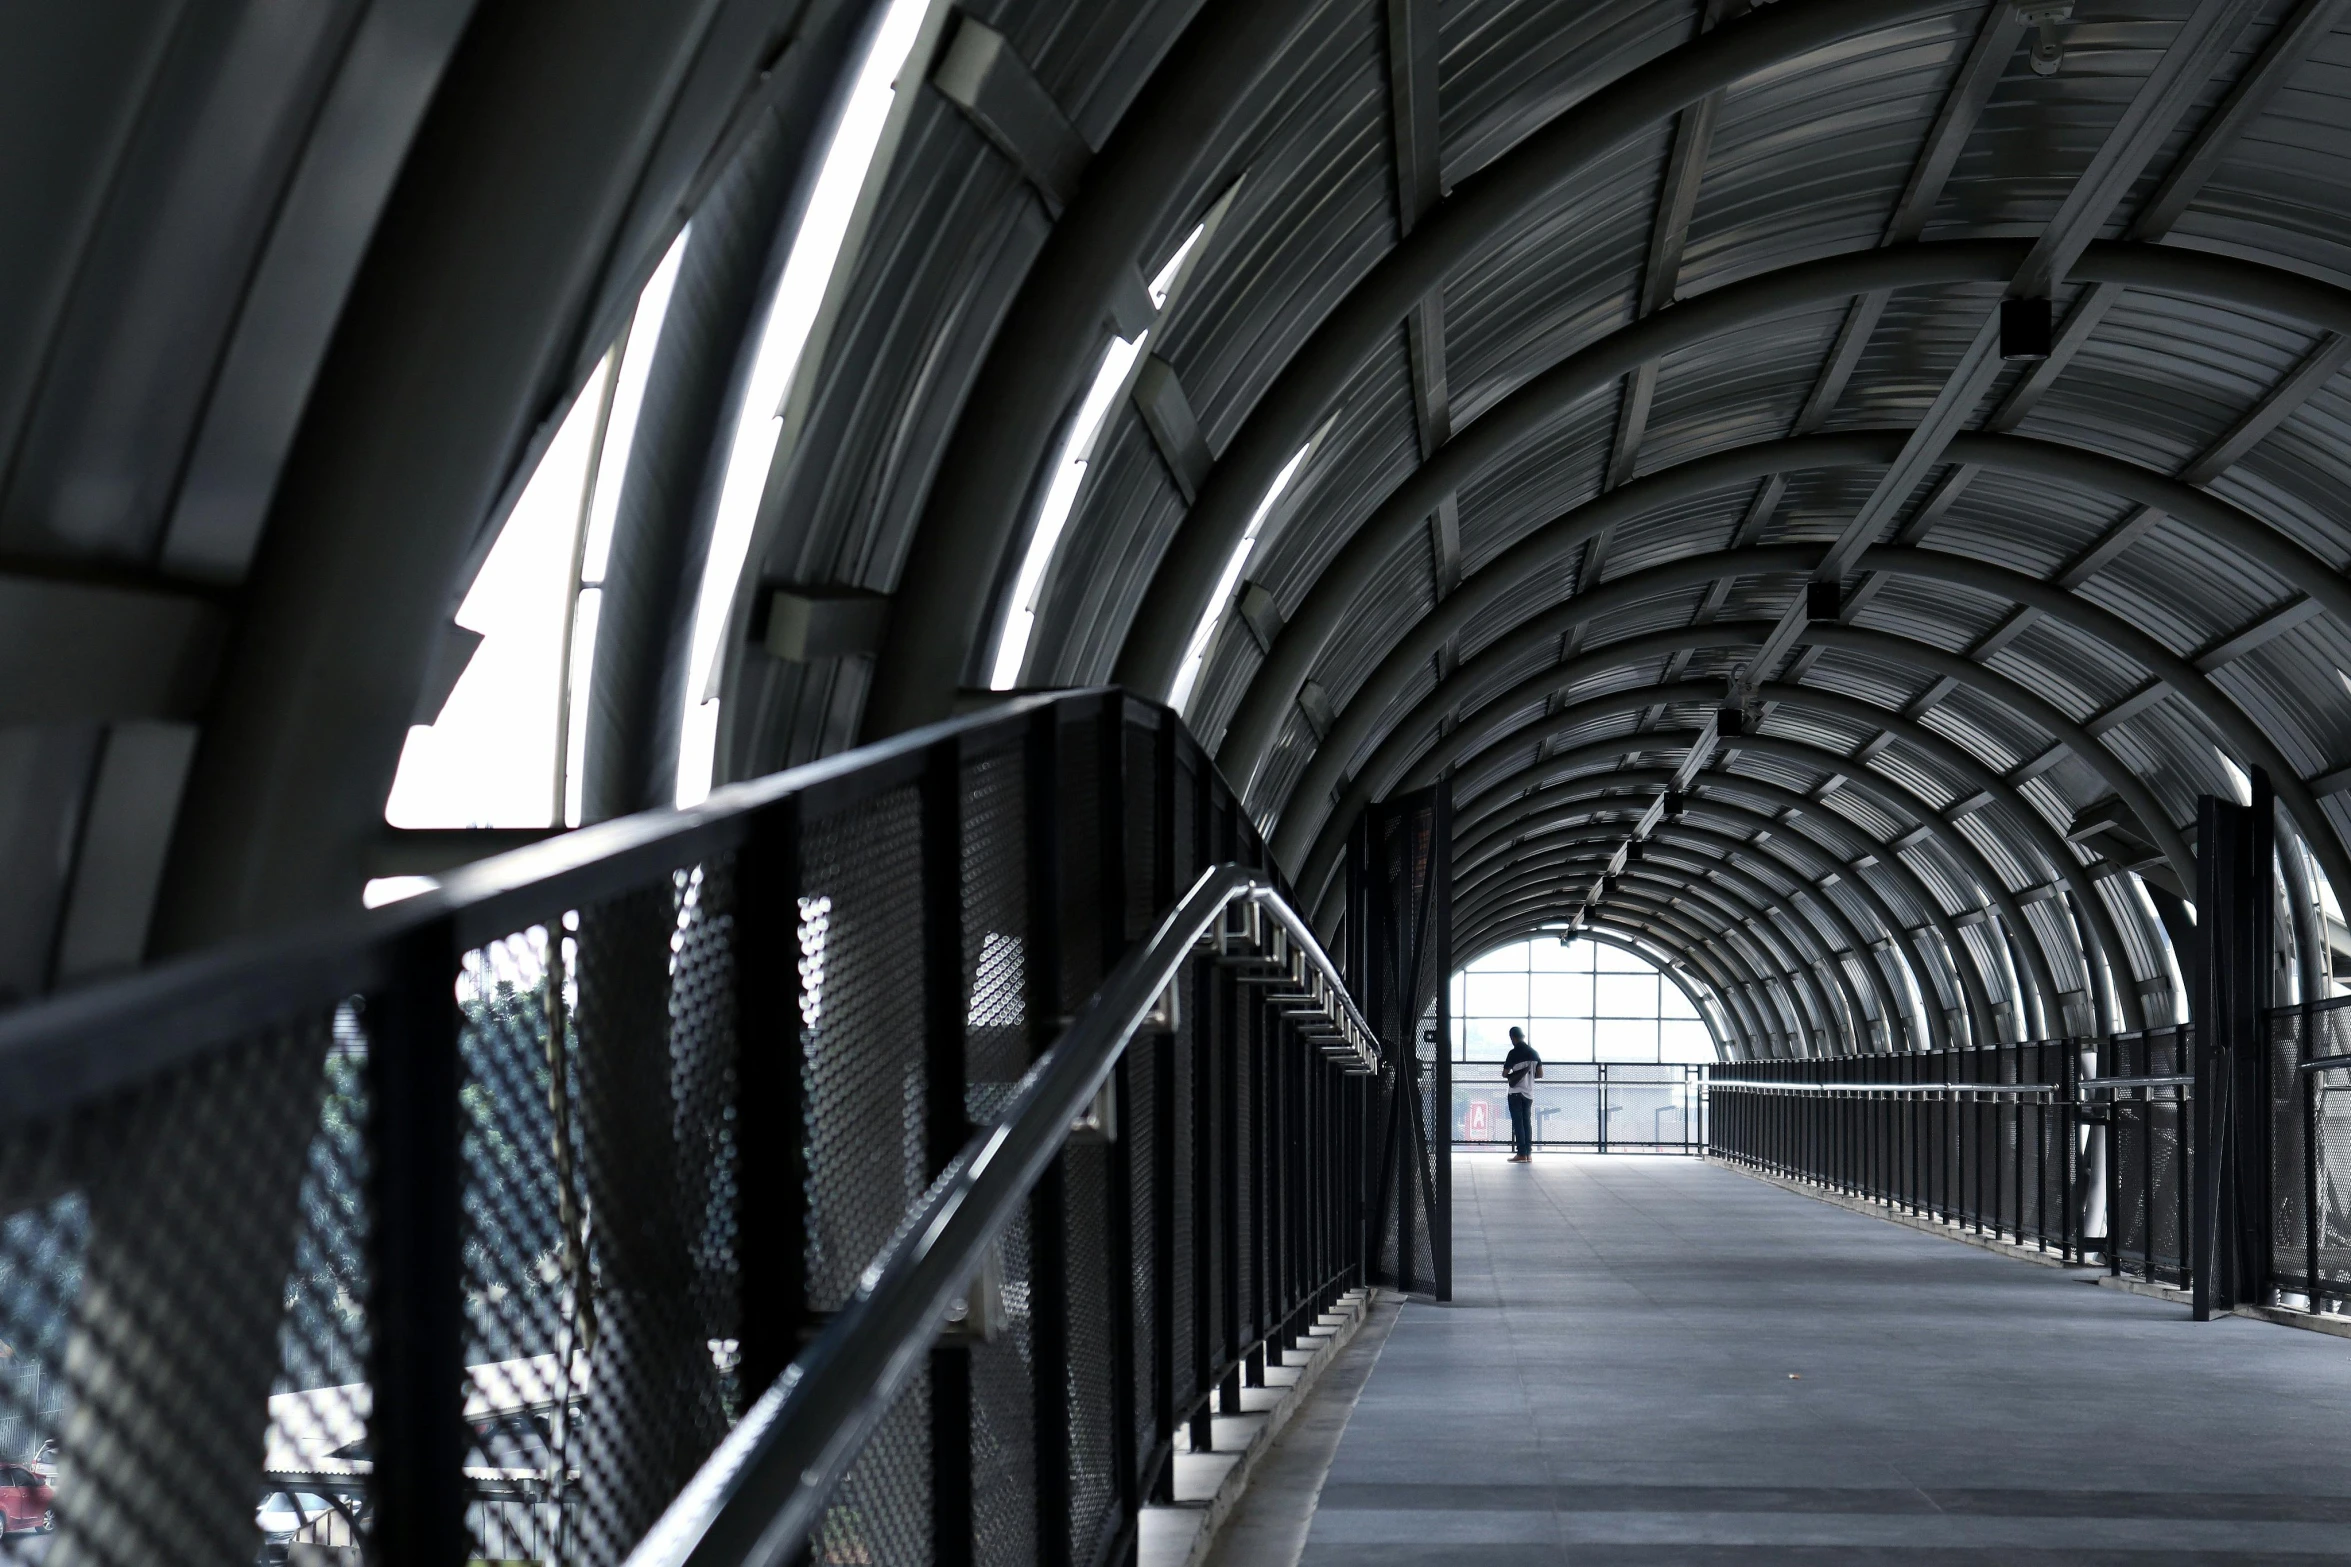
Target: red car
{"points": [[26, 1501]]}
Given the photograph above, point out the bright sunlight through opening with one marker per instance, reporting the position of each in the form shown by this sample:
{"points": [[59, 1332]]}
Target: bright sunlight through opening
{"points": [[791, 314], [1069, 473]]}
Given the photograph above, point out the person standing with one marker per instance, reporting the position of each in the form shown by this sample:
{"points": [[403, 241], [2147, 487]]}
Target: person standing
{"points": [[1520, 1068]]}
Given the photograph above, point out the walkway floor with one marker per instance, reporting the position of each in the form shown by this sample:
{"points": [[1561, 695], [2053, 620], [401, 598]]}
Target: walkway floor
{"points": [[1654, 1360]]}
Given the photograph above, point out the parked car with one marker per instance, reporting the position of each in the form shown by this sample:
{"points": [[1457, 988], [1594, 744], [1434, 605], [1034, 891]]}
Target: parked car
{"points": [[27, 1501]]}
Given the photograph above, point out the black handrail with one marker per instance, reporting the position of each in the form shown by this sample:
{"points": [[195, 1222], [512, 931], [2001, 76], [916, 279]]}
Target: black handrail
{"points": [[496, 1205], [765, 1488]]}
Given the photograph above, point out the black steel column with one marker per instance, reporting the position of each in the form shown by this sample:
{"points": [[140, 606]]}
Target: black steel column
{"points": [[769, 1057], [416, 1360], [1048, 1203], [2234, 902], [948, 1125]]}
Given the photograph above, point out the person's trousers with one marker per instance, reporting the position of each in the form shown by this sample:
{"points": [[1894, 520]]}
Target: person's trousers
{"points": [[1522, 1125]]}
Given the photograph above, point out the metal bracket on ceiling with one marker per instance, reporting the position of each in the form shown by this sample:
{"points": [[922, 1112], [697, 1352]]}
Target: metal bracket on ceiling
{"points": [[2043, 16]]}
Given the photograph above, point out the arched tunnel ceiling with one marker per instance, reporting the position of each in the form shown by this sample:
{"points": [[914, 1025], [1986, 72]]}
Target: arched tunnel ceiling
{"points": [[1607, 330]]}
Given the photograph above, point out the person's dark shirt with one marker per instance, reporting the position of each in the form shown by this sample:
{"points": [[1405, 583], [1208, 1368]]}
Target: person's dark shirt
{"points": [[1518, 1068]]}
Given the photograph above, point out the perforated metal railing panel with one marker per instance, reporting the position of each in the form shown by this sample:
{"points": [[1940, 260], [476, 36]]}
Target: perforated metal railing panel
{"points": [[2310, 1152], [466, 1237], [181, 1266]]}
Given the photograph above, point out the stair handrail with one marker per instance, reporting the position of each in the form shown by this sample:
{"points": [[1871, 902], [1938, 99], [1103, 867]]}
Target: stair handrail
{"points": [[764, 1489]]}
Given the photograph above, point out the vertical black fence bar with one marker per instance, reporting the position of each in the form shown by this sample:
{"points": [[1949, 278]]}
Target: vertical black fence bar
{"points": [[1111, 826], [1440, 1129], [769, 1092], [1049, 1203], [416, 1310], [2305, 1048], [947, 1124], [1210, 1336], [1163, 1143]]}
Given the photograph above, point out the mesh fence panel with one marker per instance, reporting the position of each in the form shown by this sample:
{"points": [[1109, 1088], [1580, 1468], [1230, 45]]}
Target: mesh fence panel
{"points": [[1142, 829], [996, 1052], [881, 1515], [1093, 1448], [2288, 1153], [1182, 1327], [1138, 1147], [862, 1022], [1246, 1133], [599, 1213], [177, 1264], [2330, 1153], [2310, 1165]]}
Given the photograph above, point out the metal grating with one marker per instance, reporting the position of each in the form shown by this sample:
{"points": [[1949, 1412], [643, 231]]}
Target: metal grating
{"points": [[176, 1263], [861, 1028], [599, 1204], [881, 1515], [1093, 1443], [1139, 1134]]}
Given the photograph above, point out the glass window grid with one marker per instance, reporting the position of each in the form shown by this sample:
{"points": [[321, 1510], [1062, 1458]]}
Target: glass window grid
{"points": [[1584, 1001]]}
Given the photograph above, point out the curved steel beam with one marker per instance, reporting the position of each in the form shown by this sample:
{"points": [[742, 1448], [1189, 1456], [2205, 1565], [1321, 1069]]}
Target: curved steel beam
{"points": [[1628, 935], [1772, 906], [1469, 888], [1546, 551], [1953, 761], [1534, 813], [1171, 147], [1993, 581], [1891, 794], [2173, 671], [1497, 200], [1472, 736], [1682, 838], [1562, 770], [1536, 406], [2136, 797], [1749, 901], [1538, 822], [1775, 1002]]}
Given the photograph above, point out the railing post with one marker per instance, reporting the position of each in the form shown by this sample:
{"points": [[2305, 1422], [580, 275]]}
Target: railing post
{"points": [[770, 1062], [947, 1124], [1048, 1202], [1163, 1140], [1119, 1252], [2305, 1048], [416, 1360]]}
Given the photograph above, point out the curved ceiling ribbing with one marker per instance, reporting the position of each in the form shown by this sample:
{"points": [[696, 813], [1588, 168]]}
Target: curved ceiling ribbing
{"points": [[1819, 863], [1952, 974], [1685, 845], [1702, 318]]}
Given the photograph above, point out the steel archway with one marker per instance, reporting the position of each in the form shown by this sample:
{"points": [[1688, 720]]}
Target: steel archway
{"points": [[1741, 896], [1541, 822], [2045, 989], [1789, 995], [1522, 417], [1487, 205], [1537, 813], [1946, 754], [1683, 837]]}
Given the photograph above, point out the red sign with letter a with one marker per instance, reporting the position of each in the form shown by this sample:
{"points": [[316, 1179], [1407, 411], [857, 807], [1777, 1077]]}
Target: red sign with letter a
{"points": [[1478, 1126]]}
